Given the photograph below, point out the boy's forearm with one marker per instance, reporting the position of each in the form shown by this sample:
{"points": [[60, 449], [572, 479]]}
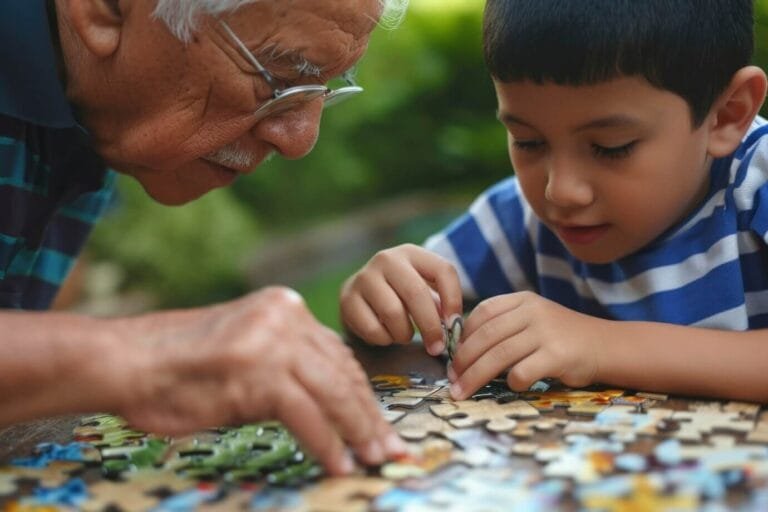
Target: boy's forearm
{"points": [[685, 360], [54, 363]]}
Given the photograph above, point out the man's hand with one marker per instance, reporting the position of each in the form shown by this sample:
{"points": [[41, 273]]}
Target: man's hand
{"points": [[397, 288], [531, 336], [261, 357]]}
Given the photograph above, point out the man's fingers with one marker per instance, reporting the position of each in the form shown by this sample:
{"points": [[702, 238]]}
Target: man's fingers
{"points": [[349, 407], [296, 409]]}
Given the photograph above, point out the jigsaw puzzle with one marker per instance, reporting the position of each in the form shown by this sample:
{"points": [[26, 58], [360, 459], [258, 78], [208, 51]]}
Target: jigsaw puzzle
{"points": [[544, 449]]}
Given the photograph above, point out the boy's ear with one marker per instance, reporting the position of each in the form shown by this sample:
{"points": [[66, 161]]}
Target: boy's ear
{"points": [[98, 24], [734, 110]]}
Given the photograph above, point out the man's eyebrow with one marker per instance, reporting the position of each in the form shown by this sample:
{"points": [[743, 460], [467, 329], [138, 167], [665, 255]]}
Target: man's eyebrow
{"points": [[290, 58]]}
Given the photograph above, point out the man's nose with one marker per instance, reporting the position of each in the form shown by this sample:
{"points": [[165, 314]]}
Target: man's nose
{"points": [[294, 133]]}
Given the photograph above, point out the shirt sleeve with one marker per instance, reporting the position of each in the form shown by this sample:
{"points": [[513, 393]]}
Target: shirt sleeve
{"points": [[751, 183], [490, 245]]}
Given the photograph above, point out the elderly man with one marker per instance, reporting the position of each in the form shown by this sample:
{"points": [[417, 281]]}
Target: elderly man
{"points": [[185, 96]]}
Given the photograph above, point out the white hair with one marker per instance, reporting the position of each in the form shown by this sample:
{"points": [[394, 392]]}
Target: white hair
{"points": [[181, 16]]}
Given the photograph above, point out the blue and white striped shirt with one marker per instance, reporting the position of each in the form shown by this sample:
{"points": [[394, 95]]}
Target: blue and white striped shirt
{"points": [[710, 270], [53, 186]]}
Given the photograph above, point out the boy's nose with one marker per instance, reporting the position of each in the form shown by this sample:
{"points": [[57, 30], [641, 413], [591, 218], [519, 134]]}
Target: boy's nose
{"points": [[293, 134], [566, 188]]}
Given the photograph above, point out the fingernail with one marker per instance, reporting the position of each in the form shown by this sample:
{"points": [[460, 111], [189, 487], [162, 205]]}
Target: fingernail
{"points": [[395, 445], [456, 391], [373, 452], [451, 372], [346, 465], [436, 348]]}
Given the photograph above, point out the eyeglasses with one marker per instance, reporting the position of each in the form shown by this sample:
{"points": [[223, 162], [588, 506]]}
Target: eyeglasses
{"points": [[289, 98]]}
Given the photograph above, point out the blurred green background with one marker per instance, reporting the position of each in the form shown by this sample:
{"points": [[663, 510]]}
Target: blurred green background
{"points": [[398, 161]]}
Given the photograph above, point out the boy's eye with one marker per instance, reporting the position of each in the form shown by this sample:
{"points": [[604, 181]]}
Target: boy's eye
{"points": [[615, 151], [528, 145]]}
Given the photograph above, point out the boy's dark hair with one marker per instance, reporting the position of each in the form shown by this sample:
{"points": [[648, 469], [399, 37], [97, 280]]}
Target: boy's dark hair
{"points": [[689, 47]]}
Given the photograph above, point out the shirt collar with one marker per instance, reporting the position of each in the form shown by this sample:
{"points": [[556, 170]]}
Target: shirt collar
{"points": [[30, 88]]}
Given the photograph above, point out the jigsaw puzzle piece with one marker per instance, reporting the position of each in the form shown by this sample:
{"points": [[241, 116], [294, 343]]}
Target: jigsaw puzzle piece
{"points": [[117, 495], [760, 433], [622, 422], [7, 482], [694, 424], [580, 402], [412, 397], [494, 416], [148, 454], [344, 494], [635, 492], [55, 474], [392, 382], [422, 459], [582, 459], [45, 453], [418, 425]]}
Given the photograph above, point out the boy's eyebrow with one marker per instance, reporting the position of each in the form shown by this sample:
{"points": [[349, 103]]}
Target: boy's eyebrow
{"points": [[603, 122], [608, 122], [507, 118]]}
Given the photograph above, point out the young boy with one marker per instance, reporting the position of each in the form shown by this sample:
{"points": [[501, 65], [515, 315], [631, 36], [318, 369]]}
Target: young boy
{"points": [[631, 246]]}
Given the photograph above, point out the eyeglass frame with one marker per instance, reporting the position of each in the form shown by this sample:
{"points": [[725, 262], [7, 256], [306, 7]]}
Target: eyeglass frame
{"points": [[283, 100]]}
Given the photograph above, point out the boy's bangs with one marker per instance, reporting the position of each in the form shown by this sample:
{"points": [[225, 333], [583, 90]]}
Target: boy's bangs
{"points": [[691, 48]]}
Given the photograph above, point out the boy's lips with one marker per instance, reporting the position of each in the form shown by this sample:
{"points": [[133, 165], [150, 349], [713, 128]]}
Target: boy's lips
{"points": [[581, 235]]}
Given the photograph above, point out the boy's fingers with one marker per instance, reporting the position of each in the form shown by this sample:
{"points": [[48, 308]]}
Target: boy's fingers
{"points": [[441, 275], [448, 288], [489, 309], [390, 311], [497, 359], [364, 322], [494, 331], [525, 373], [417, 297]]}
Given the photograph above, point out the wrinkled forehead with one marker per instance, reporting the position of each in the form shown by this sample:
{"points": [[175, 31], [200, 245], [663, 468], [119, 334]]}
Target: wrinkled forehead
{"points": [[331, 33]]}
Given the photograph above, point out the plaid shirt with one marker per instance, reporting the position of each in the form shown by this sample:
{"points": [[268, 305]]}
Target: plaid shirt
{"points": [[53, 186]]}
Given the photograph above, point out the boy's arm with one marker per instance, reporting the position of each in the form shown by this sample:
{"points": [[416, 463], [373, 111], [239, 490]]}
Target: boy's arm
{"points": [[530, 337], [684, 360]]}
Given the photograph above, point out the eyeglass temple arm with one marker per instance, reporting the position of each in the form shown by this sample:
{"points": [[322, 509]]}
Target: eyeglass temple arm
{"points": [[248, 55]]}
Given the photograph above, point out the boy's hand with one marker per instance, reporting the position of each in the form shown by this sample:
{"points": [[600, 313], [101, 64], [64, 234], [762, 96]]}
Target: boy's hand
{"points": [[531, 336], [399, 287]]}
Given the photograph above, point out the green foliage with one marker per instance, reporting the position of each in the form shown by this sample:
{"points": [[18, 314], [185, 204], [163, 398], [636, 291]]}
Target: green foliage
{"points": [[425, 122], [186, 255], [761, 40]]}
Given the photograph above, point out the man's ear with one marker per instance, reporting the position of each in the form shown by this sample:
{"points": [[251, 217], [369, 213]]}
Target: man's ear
{"points": [[734, 110], [98, 23]]}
